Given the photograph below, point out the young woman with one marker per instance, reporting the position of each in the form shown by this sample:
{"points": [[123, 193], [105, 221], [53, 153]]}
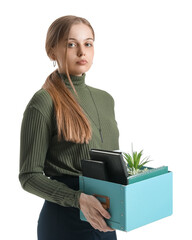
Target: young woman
{"points": [[61, 123]]}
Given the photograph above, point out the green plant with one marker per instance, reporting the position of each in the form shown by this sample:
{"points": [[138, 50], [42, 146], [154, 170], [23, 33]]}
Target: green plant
{"points": [[135, 164]]}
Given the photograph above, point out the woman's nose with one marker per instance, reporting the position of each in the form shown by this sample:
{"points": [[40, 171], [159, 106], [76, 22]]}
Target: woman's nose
{"points": [[81, 51]]}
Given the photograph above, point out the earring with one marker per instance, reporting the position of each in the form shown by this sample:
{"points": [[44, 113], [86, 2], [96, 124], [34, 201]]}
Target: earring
{"points": [[54, 63]]}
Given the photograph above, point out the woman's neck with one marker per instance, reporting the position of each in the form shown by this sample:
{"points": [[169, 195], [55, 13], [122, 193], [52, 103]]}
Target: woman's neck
{"points": [[78, 81]]}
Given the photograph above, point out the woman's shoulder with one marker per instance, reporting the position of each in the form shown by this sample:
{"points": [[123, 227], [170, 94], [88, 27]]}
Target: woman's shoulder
{"points": [[42, 102], [101, 94]]}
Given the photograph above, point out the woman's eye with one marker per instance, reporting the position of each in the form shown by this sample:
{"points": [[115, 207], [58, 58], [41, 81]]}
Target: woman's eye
{"points": [[89, 44], [71, 45]]}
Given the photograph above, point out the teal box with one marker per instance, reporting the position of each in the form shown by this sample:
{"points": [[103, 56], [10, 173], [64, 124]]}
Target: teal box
{"points": [[133, 205]]}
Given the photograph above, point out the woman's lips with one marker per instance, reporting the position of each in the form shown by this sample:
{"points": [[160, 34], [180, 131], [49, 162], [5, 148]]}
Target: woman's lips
{"points": [[82, 62]]}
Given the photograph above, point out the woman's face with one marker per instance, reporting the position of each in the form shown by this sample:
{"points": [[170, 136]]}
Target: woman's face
{"points": [[80, 50]]}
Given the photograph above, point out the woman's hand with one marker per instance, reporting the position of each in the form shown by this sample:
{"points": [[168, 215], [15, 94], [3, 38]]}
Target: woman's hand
{"points": [[94, 212]]}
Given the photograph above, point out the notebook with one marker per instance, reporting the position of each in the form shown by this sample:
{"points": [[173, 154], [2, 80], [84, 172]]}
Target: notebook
{"points": [[94, 169], [115, 165]]}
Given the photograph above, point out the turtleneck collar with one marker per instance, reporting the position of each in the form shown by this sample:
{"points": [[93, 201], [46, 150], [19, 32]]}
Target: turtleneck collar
{"points": [[78, 81]]}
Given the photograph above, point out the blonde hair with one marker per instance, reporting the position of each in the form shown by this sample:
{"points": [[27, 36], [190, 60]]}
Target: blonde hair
{"points": [[72, 124]]}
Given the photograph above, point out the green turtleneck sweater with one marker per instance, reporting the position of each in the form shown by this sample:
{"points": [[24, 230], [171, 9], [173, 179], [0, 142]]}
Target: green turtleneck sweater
{"points": [[43, 156]]}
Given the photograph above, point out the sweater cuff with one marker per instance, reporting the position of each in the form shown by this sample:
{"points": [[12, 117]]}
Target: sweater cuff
{"points": [[77, 197]]}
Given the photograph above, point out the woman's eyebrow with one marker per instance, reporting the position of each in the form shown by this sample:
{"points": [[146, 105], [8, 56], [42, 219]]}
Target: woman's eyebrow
{"points": [[84, 39]]}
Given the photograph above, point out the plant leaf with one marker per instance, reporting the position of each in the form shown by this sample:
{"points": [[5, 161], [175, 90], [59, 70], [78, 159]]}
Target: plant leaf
{"points": [[134, 158], [138, 159], [144, 162], [146, 158], [128, 159]]}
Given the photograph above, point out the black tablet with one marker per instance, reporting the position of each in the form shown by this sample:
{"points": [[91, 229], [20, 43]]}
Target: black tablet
{"points": [[94, 169], [115, 164]]}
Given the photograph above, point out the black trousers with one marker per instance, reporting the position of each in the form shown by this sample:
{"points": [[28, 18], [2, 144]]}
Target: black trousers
{"points": [[64, 223]]}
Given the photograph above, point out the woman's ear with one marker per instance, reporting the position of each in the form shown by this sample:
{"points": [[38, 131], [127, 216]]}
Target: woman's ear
{"points": [[52, 54]]}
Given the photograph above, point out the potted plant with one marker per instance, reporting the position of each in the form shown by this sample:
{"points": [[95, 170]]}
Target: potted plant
{"points": [[135, 164]]}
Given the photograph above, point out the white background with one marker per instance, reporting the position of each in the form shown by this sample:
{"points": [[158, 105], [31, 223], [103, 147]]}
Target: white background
{"points": [[143, 57]]}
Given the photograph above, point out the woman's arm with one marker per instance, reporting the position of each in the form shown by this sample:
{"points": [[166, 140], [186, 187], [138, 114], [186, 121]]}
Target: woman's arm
{"points": [[34, 143], [35, 139]]}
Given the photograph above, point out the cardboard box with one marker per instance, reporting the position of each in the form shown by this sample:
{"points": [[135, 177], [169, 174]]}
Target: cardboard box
{"points": [[133, 205]]}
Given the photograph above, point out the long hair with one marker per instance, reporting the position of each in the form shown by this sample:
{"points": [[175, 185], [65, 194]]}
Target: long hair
{"points": [[72, 124]]}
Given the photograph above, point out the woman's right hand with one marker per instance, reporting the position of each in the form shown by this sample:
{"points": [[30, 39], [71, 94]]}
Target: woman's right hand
{"points": [[94, 212]]}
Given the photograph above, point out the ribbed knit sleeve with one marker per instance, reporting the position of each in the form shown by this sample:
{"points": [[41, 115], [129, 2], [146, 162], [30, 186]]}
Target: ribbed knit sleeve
{"points": [[34, 144]]}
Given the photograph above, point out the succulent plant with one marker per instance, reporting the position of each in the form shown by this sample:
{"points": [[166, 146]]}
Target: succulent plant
{"points": [[135, 164]]}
